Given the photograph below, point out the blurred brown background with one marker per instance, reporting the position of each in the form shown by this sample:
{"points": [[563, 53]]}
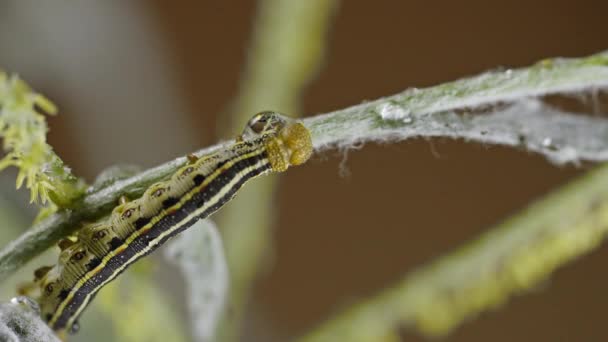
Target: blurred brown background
{"points": [[141, 82]]}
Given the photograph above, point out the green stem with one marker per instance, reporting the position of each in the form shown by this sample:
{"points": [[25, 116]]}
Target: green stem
{"points": [[510, 259]]}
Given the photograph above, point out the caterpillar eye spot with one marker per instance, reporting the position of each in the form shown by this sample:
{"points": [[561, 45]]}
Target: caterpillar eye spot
{"points": [[99, 234], [188, 171], [128, 213], [158, 192], [48, 288], [78, 256]]}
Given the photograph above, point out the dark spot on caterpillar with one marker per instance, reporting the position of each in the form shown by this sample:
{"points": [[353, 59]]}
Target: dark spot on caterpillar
{"points": [[114, 243], [142, 221], [48, 317], [220, 164], [169, 202], [128, 213], [63, 294], [187, 171], [198, 179], [93, 263], [49, 288], [78, 256], [99, 234]]}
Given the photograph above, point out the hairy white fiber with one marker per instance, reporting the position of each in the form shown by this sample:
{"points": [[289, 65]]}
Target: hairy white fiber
{"points": [[497, 107], [20, 322], [199, 253]]}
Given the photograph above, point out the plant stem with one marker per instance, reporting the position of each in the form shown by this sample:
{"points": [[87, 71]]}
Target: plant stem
{"points": [[509, 259], [385, 120]]}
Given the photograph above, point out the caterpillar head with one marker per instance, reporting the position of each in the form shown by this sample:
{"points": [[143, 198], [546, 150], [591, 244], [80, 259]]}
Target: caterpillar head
{"points": [[288, 141]]}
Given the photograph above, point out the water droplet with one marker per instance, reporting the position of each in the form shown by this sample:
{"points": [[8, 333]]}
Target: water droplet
{"points": [[46, 168], [389, 111], [549, 144], [75, 327]]}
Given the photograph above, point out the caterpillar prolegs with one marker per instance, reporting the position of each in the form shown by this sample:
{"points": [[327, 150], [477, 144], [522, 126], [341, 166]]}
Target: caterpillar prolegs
{"points": [[101, 251]]}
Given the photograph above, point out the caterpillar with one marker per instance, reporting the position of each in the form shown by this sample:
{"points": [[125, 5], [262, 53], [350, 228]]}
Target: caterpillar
{"points": [[100, 251]]}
